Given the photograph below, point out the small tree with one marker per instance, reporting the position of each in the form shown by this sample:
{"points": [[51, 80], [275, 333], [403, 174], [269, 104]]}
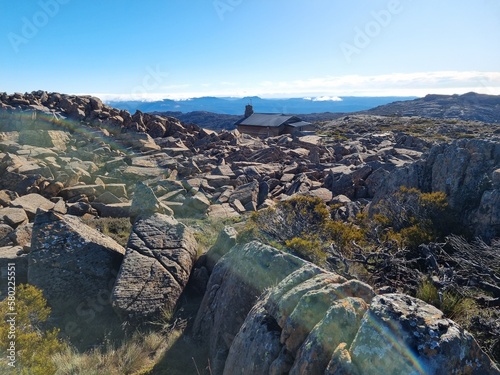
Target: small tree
{"points": [[34, 346]]}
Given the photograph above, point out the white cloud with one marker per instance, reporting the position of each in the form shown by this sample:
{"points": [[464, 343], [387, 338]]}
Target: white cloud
{"points": [[412, 84], [325, 99], [334, 87]]}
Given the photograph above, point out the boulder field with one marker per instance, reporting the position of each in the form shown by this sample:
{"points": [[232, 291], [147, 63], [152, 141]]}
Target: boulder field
{"points": [[64, 158]]}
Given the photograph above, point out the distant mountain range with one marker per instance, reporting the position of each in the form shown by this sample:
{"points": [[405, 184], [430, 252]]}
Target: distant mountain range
{"points": [[470, 106], [222, 113], [236, 106]]}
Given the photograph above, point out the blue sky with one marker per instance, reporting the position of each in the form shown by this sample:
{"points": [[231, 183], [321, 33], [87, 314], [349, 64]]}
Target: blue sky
{"points": [[272, 48]]}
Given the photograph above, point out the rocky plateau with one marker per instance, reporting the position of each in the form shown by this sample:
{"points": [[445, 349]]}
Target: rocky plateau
{"points": [[65, 158]]}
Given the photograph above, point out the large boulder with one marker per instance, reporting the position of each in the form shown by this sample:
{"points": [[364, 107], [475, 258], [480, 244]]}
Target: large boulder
{"points": [[466, 171], [158, 261], [404, 335], [233, 289], [196, 205], [266, 312], [70, 261]]}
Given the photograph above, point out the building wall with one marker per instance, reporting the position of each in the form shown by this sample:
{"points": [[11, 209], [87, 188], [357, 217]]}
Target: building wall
{"points": [[261, 131], [291, 129]]}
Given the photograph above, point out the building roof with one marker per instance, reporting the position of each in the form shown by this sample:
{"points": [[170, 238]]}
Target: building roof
{"points": [[299, 124], [264, 119], [272, 120]]}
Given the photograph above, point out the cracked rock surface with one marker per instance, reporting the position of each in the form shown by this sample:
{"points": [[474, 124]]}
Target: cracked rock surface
{"points": [[69, 259], [158, 261]]}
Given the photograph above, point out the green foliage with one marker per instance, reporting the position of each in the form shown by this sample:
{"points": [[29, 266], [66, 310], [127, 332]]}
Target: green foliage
{"points": [[427, 292], [453, 306], [205, 231], [343, 234], [310, 249], [117, 228], [304, 225], [294, 217], [136, 355], [34, 345], [411, 217]]}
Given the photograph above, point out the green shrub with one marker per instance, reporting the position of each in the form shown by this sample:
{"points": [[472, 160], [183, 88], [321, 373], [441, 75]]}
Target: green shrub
{"points": [[304, 225], [427, 292], [117, 228], [410, 217], [34, 346], [343, 234], [453, 306], [309, 249]]}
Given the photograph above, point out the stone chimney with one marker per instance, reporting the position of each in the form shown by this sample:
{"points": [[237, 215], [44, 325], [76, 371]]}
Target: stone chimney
{"points": [[248, 110]]}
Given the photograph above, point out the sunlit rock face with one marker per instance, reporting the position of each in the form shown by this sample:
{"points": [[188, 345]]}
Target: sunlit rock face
{"points": [[266, 312]]}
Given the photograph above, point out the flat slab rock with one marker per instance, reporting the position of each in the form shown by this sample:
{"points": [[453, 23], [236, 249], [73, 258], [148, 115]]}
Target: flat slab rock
{"points": [[158, 261], [68, 259], [31, 203]]}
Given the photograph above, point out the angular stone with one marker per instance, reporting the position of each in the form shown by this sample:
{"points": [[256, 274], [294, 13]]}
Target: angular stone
{"points": [[53, 189], [222, 211], [115, 210], [91, 191], [144, 173], [157, 265], [238, 206], [107, 198], [22, 236], [144, 202], [31, 203], [246, 193], [119, 190], [322, 193], [5, 230], [81, 209], [70, 261], [13, 216], [198, 204], [7, 196], [218, 181], [224, 170], [45, 138]]}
